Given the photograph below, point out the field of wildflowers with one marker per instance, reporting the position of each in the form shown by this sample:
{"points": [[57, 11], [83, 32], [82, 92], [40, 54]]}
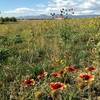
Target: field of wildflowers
{"points": [[50, 60]]}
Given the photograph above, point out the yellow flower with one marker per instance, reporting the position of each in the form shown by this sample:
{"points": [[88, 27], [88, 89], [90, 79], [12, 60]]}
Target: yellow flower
{"points": [[61, 61], [38, 94]]}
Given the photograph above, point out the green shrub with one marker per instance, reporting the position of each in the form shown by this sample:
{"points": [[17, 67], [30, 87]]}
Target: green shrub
{"points": [[18, 39], [4, 54]]}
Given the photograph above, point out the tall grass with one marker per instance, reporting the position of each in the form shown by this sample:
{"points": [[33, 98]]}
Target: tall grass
{"points": [[29, 47]]}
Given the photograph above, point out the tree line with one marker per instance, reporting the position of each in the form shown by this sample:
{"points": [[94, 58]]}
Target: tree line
{"points": [[7, 19]]}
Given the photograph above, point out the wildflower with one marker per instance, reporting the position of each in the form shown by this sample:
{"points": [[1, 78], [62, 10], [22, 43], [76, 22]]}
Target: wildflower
{"points": [[56, 74], [29, 82], [80, 83], [87, 77], [84, 80], [56, 63], [38, 94], [71, 69], [61, 61], [42, 75], [61, 72], [91, 69], [57, 86]]}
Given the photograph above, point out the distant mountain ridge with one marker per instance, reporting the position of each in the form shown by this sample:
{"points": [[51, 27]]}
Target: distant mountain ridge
{"points": [[43, 16]]}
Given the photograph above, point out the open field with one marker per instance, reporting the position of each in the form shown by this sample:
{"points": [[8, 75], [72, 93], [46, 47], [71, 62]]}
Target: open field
{"points": [[50, 60]]}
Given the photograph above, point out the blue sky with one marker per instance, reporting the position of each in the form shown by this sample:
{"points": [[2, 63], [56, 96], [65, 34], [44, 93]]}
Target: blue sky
{"points": [[13, 4], [36, 7]]}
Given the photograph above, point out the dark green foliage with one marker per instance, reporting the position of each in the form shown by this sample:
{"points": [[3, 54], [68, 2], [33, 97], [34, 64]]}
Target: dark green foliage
{"points": [[13, 19], [2, 20], [18, 39], [4, 54], [66, 33], [39, 56], [7, 19], [4, 41], [38, 69]]}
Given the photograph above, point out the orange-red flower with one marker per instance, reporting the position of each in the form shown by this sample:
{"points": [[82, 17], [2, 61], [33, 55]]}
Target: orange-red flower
{"points": [[42, 75], [84, 80], [87, 77], [71, 69], [57, 85], [56, 74], [91, 69], [28, 82]]}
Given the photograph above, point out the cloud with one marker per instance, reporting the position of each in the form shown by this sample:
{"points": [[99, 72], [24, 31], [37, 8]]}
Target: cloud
{"points": [[83, 6], [80, 7], [20, 11], [89, 7]]}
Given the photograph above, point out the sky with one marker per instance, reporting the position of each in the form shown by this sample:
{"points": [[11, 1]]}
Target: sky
{"points": [[37, 7]]}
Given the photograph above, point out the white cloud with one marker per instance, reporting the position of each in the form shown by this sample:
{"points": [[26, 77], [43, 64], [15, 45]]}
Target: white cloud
{"points": [[80, 7], [23, 10], [20, 11]]}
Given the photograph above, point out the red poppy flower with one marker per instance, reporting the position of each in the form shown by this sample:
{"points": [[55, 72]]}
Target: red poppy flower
{"points": [[71, 69], [57, 85], [42, 75], [87, 77], [56, 74], [91, 69], [28, 82]]}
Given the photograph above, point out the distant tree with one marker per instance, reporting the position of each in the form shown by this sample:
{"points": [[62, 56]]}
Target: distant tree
{"points": [[2, 20], [7, 19], [13, 19]]}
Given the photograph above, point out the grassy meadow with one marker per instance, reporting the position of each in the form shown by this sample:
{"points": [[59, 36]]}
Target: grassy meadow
{"points": [[50, 60]]}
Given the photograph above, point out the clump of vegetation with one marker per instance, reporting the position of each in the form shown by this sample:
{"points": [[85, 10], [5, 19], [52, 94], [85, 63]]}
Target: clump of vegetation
{"points": [[4, 54], [50, 60], [7, 19], [18, 39]]}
